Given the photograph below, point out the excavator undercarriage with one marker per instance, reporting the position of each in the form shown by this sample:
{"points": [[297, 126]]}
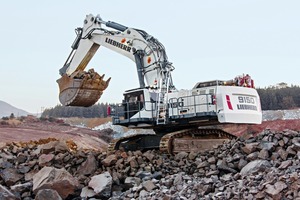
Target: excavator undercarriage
{"points": [[187, 140]]}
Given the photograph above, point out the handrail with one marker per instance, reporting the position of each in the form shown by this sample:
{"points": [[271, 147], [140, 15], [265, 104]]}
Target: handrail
{"points": [[175, 106]]}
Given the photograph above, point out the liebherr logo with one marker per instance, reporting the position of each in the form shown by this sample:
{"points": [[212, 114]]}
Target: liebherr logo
{"points": [[118, 44]]}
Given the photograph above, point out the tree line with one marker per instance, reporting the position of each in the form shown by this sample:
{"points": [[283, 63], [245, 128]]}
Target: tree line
{"points": [[280, 97], [272, 98], [97, 110]]}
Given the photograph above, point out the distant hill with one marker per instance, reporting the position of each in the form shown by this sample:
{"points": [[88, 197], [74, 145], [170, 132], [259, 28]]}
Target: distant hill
{"points": [[6, 110]]}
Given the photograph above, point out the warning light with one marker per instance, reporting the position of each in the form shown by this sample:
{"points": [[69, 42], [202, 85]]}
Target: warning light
{"points": [[123, 40], [214, 100], [149, 60]]}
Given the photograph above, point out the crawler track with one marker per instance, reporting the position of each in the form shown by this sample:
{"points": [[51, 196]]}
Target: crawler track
{"points": [[135, 142], [187, 140]]}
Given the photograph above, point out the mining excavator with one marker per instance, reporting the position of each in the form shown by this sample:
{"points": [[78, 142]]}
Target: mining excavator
{"points": [[183, 120]]}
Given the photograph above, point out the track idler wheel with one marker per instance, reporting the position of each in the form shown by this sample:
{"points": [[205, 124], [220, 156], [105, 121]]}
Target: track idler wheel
{"points": [[85, 89]]}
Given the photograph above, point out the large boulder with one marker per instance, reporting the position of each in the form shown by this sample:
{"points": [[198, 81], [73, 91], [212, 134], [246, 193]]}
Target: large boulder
{"points": [[47, 194], [102, 184], [86, 192], [57, 179], [250, 147], [11, 176], [5, 194], [45, 159], [255, 166], [54, 146], [275, 190], [109, 160], [89, 166]]}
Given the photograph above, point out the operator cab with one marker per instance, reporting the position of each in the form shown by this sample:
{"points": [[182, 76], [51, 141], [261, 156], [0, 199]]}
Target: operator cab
{"points": [[138, 107], [133, 102]]}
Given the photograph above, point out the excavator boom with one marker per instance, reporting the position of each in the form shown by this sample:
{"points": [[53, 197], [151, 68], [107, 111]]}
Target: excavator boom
{"points": [[147, 52]]}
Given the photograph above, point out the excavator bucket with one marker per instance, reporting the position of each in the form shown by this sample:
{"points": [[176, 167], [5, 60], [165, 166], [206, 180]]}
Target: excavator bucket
{"points": [[85, 89]]}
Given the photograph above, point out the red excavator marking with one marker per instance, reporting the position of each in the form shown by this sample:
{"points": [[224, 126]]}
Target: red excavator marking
{"points": [[229, 102]]}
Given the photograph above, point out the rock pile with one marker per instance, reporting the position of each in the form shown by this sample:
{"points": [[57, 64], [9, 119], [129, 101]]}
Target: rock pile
{"points": [[262, 167]]}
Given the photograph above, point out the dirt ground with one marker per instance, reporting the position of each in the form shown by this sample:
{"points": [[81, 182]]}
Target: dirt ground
{"points": [[34, 130], [275, 125]]}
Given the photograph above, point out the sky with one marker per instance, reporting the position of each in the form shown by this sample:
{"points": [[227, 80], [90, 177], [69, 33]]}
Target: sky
{"points": [[205, 40]]}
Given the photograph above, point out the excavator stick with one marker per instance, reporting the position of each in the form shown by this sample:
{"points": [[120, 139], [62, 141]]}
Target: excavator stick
{"points": [[84, 89]]}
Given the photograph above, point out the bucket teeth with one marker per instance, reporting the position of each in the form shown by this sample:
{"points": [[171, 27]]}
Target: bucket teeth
{"points": [[84, 89]]}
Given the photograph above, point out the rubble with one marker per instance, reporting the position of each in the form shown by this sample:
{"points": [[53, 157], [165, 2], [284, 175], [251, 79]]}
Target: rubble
{"points": [[56, 179], [263, 167]]}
